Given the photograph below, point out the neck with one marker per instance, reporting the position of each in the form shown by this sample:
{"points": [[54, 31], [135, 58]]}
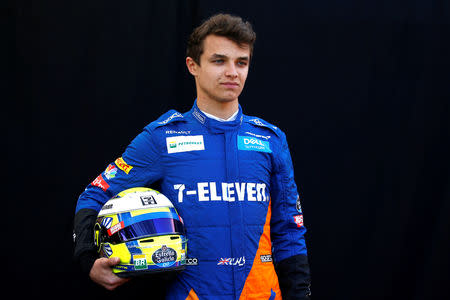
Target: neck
{"points": [[223, 110]]}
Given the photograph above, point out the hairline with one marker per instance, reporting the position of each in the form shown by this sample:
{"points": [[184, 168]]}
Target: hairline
{"points": [[240, 45]]}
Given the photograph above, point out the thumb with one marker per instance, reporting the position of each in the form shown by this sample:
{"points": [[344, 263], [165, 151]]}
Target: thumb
{"points": [[112, 261]]}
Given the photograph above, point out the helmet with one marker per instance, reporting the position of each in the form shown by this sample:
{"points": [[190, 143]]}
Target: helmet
{"points": [[142, 228]]}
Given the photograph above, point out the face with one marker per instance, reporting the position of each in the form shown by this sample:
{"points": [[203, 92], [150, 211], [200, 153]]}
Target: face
{"points": [[222, 71]]}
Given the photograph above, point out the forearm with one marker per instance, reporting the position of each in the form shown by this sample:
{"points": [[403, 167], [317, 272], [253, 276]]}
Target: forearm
{"points": [[294, 278], [84, 247]]}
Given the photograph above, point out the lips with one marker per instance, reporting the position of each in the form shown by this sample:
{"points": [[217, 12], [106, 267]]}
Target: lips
{"points": [[230, 84]]}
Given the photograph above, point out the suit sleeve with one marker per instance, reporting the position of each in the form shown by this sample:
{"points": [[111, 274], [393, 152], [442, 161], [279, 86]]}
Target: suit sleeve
{"points": [[138, 166], [287, 229]]}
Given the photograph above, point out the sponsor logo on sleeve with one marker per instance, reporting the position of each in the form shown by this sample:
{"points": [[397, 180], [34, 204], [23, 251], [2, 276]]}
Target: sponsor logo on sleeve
{"points": [[176, 144], [100, 182], [110, 172], [298, 205], [253, 144], [298, 220], [123, 165]]}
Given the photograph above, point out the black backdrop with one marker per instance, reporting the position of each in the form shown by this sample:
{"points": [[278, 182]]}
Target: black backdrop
{"points": [[360, 88]]}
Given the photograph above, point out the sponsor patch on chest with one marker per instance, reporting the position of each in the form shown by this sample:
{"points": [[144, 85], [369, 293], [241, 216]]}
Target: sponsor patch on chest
{"points": [[183, 143], [253, 144]]}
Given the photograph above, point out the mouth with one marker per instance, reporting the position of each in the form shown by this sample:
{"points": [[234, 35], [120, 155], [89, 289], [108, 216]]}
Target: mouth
{"points": [[231, 85]]}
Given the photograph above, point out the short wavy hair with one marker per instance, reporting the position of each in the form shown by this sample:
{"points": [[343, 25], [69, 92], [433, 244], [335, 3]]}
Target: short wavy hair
{"points": [[229, 26]]}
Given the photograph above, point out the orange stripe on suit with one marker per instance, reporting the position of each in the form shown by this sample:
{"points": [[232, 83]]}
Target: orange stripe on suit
{"points": [[192, 295], [262, 280]]}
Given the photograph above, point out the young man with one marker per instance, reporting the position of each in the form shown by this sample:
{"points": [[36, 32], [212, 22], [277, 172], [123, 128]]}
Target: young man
{"points": [[229, 175]]}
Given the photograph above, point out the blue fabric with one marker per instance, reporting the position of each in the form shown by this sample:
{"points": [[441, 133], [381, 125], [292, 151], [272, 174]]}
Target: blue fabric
{"points": [[272, 295], [221, 187]]}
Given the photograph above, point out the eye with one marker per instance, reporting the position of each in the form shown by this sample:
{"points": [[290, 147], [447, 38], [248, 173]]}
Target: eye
{"points": [[218, 61], [242, 63]]}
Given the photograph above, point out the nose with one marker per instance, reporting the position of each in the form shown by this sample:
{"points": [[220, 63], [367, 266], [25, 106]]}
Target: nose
{"points": [[231, 71]]}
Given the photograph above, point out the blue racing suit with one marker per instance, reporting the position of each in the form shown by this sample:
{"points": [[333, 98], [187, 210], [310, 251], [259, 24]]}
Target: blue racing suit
{"points": [[233, 185]]}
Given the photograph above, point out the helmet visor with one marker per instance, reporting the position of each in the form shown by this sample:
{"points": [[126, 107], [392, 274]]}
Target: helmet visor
{"points": [[147, 228]]}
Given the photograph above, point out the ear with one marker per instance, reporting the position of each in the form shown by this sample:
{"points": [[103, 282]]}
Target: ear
{"points": [[191, 65]]}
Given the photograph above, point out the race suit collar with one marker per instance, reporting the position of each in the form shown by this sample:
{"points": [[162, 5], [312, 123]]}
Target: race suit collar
{"points": [[214, 125], [232, 118]]}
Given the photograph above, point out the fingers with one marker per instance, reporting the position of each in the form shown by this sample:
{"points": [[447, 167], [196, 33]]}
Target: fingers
{"points": [[101, 273], [112, 283], [112, 261]]}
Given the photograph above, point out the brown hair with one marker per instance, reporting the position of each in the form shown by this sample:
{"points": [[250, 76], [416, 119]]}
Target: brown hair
{"points": [[231, 27]]}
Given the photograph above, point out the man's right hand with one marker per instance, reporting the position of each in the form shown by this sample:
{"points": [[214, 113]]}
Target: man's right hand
{"points": [[102, 274]]}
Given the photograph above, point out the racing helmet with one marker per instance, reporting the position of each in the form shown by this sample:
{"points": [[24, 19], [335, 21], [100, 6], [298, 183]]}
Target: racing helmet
{"points": [[141, 227]]}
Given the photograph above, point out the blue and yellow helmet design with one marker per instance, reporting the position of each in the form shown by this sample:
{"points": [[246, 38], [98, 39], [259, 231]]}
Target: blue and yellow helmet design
{"points": [[142, 228]]}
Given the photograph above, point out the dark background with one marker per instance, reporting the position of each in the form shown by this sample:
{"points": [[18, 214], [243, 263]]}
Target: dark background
{"points": [[361, 89]]}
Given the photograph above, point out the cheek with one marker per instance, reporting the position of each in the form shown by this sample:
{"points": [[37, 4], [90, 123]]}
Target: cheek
{"points": [[243, 76], [212, 76], [207, 79]]}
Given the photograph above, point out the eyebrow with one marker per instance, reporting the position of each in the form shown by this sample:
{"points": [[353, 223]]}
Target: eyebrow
{"points": [[215, 56]]}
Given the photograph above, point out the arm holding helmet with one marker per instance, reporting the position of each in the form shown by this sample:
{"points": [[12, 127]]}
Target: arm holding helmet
{"points": [[287, 230], [99, 269], [138, 166]]}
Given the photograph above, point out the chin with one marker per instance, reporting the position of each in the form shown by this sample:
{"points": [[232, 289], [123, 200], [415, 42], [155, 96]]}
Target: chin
{"points": [[228, 97]]}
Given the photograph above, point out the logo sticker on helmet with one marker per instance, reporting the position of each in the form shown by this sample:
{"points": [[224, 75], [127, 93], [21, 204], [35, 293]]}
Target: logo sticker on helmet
{"points": [[107, 250], [148, 200], [140, 262], [116, 228], [164, 257], [107, 222]]}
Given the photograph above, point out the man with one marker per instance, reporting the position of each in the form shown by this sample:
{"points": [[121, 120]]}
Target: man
{"points": [[229, 176]]}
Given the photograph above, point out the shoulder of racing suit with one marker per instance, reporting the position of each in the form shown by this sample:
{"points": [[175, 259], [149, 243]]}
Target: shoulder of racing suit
{"points": [[172, 116], [269, 131], [258, 122]]}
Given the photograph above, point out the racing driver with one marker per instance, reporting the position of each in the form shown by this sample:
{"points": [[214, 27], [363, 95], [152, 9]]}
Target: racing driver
{"points": [[229, 175]]}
